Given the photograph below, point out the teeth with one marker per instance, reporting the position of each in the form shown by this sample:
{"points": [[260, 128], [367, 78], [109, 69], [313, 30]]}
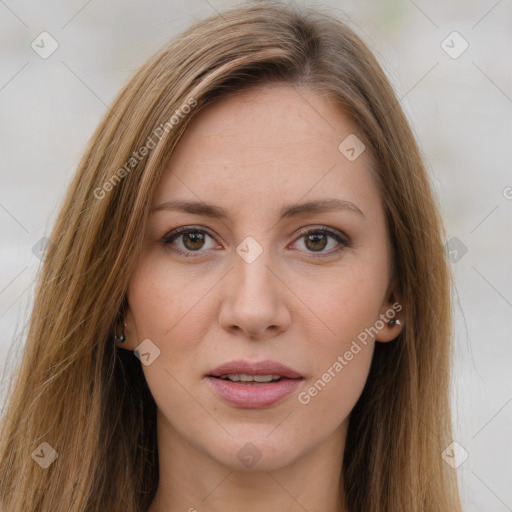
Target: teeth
{"points": [[241, 377]]}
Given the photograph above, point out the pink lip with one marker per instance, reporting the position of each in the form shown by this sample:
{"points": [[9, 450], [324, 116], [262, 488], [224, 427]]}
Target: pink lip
{"points": [[251, 395], [256, 368]]}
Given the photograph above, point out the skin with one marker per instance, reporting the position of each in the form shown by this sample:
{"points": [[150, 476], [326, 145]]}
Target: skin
{"points": [[300, 304]]}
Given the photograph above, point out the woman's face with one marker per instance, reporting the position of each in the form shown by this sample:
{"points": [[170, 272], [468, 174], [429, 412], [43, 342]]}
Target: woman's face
{"points": [[270, 280]]}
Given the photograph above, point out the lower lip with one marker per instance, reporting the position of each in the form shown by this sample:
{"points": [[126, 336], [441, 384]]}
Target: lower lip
{"points": [[253, 396]]}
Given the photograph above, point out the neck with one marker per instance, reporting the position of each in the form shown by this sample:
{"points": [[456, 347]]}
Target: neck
{"points": [[192, 480]]}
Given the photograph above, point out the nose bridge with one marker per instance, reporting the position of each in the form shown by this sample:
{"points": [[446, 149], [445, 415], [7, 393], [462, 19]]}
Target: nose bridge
{"points": [[253, 299], [252, 275]]}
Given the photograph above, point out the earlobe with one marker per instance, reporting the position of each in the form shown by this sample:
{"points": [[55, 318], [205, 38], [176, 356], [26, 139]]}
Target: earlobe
{"points": [[129, 329], [392, 322], [390, 331], [120, 336], [122, 332], [392, 315]]}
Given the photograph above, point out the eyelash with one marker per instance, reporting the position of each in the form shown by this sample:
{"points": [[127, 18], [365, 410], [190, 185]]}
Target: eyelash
{"points": [[344, 242]]}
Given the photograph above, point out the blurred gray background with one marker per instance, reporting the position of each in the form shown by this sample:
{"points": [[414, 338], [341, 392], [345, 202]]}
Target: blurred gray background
{"points": [[450, 63]]}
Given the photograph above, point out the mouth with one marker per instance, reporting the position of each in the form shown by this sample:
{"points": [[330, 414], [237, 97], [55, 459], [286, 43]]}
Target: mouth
{"points": [[253, 385], [248, 380]]}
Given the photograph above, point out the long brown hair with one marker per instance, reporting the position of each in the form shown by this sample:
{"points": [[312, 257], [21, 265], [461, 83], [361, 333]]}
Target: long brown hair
{"points": [[90, 402]]}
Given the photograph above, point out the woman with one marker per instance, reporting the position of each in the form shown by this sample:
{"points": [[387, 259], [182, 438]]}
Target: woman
{"points": [[245, 303]]}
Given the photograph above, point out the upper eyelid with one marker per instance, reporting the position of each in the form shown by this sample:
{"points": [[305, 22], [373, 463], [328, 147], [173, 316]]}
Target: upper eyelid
{"points": [[325, 229], [301, 233]]}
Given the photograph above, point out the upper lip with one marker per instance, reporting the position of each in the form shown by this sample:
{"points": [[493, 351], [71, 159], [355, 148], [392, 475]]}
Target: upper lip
{"points": [[267, 367]]}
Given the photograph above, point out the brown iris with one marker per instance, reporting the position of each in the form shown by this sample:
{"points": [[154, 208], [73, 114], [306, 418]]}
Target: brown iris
{"points": [[316, 239], [193, 241]]}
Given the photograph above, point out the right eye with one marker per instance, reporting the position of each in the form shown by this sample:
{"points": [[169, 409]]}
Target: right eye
{"points": [[191, 240]]}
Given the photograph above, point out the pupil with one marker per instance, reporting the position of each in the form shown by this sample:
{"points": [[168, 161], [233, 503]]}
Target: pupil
{"points": [[193, 238], [196, 240], [314, 239]]}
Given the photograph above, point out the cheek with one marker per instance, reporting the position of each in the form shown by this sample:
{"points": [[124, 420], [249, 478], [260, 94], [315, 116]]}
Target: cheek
{"points": [[160, 299], [333, 394], [161, 302], [343, 304], [167, 309], [342, 349], [345, 307]]}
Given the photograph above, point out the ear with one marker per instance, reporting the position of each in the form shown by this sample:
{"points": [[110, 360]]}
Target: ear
{"points": [[127, 327], [392, 310]]}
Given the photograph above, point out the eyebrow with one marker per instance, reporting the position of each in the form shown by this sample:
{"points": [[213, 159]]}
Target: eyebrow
{"points": [[211, 210]]}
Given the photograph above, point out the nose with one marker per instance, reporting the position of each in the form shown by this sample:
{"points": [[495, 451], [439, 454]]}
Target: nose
{"points": [[254, 299]]}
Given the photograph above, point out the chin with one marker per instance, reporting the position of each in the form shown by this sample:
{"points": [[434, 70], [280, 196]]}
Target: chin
{"points": [[255, 455]]}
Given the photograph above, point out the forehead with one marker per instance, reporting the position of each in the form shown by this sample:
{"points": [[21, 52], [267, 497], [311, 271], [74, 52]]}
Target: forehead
{"points": [[268, 145], [270, 116]]}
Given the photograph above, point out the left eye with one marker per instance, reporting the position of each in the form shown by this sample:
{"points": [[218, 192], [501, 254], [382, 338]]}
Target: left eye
{"points": [[316, 240], [194, 240]]}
